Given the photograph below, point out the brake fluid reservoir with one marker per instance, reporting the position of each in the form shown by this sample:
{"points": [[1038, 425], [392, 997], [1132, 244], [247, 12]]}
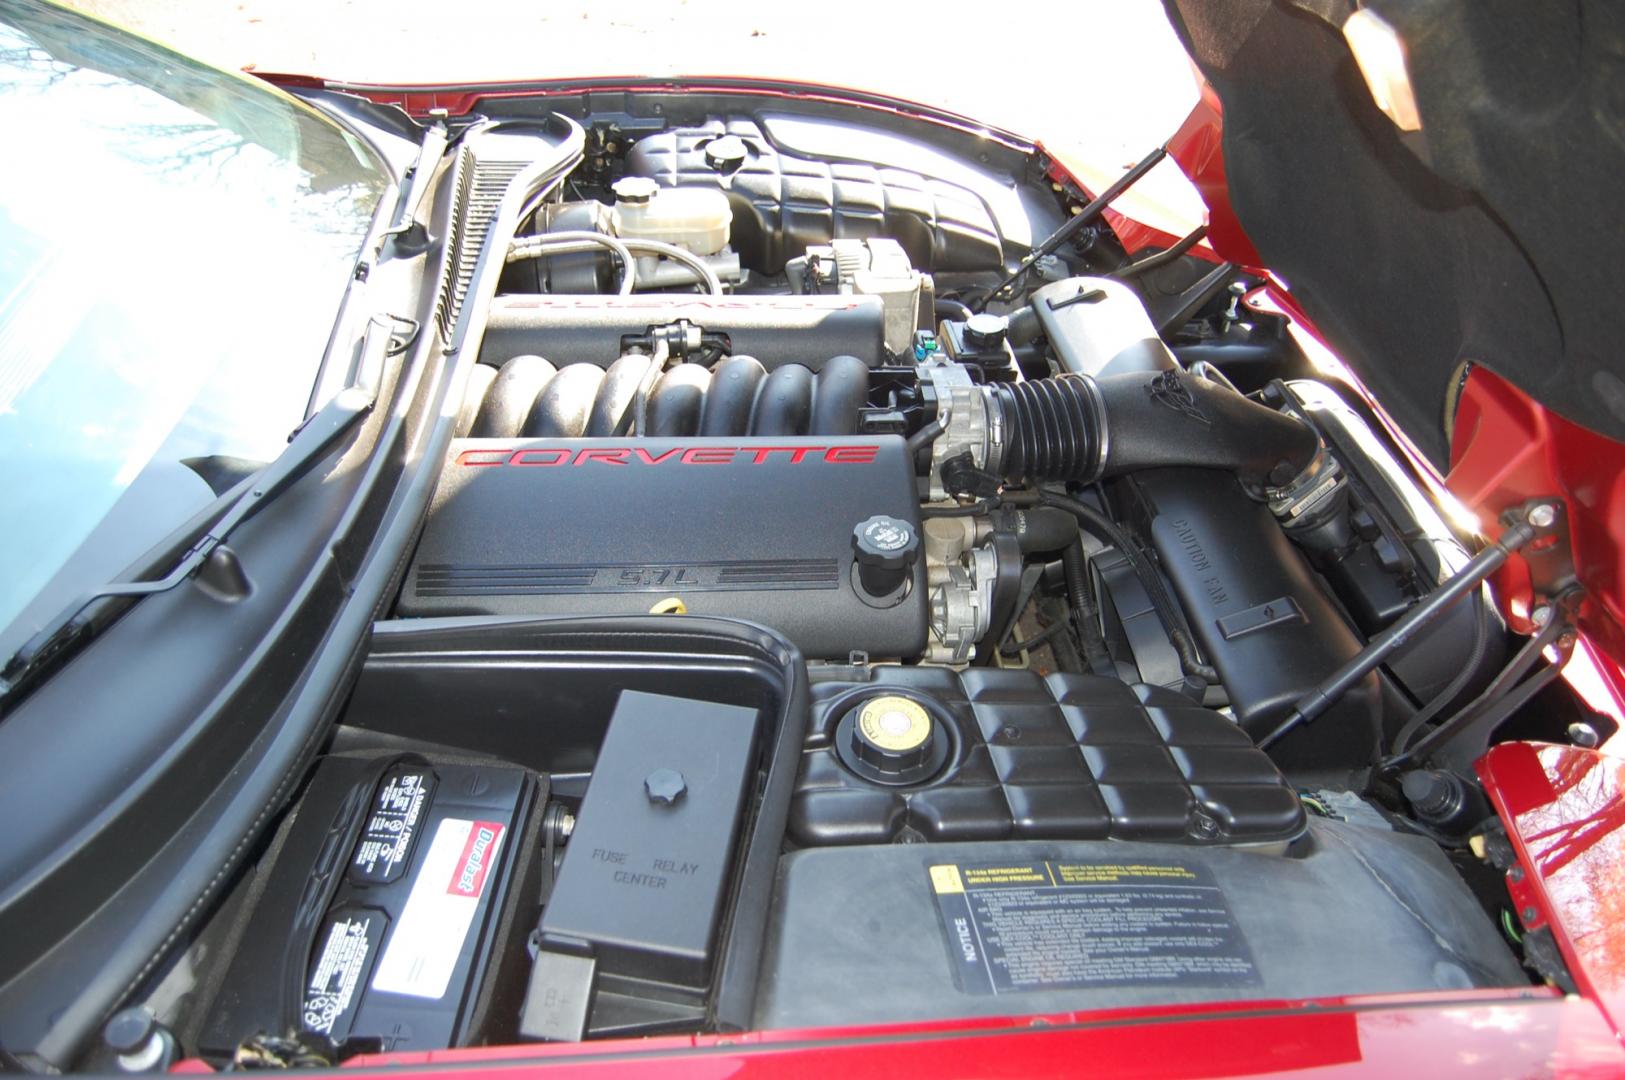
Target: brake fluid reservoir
{"points": [[694, 218]]}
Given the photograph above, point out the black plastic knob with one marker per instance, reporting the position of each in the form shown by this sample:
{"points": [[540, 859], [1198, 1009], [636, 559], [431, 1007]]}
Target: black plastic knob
{"points": [[984, 331], [726, 153], [885, 549], [665, 786]]}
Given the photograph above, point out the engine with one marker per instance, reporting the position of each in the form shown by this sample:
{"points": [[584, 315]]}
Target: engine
{"points": [[844, 603], [807, 438]]}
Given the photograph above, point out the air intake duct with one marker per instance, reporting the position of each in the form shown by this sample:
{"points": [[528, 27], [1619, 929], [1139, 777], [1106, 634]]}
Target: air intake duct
{"points": [[1054, 429], [1077, 428]]}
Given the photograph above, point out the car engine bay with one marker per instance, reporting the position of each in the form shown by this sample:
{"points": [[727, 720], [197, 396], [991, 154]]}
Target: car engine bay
{"points": [[843, 604]]}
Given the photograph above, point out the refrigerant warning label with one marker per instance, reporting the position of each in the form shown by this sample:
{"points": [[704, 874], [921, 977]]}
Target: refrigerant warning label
{"points": [[1063, 926]]}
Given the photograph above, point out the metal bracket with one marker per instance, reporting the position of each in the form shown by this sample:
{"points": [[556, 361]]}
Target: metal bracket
{"points": [[1550, 555]]}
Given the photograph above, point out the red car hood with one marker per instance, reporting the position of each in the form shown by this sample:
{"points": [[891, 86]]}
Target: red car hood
{"points": [[1459, 269]]}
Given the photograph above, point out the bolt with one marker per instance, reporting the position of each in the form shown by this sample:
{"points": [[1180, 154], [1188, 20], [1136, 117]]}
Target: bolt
{"points": [[128, 1030], [1515, 875], [1542, 615], [1237, 291], [1529, 915], [567, 825], [1543, 515], [140, 1045], [1584, 735]]}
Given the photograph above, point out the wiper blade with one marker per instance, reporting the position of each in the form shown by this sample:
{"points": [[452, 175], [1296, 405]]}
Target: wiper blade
{"points": [[77, 624]]}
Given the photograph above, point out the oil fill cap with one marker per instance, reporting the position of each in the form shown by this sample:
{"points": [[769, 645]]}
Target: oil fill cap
{"points": [[891, 739], [884, 550]]}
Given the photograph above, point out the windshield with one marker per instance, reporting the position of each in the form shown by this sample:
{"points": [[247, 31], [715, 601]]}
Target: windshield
{"points": [[174, 245]]}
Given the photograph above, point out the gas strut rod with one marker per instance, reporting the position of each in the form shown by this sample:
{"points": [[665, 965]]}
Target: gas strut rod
{"points": [[1312, 704], [1078, 221]]}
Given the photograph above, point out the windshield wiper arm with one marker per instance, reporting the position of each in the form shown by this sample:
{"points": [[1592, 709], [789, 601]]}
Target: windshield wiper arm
{"points": [[76, 625], [409, 236]]}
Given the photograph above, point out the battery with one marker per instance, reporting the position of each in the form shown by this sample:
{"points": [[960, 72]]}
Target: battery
{"points": [[388, 915]]}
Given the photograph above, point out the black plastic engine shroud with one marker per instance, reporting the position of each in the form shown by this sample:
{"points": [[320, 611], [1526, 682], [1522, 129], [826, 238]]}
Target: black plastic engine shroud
{"points": [[1062, 757]]}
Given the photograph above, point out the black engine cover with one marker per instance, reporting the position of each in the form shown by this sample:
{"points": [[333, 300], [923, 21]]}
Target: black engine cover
{"points": [[757, 529]]}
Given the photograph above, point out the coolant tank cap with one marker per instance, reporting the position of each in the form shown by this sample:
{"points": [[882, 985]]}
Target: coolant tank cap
{"points": [[726, 153], [891, 740], [894, 725]]}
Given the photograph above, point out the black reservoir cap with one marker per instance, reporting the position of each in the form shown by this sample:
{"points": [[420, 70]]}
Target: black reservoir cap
{"points": [[892, 733], [642, 884]]}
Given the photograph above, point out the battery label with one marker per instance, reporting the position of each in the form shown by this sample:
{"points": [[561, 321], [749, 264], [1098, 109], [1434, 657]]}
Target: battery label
{"points": [[340, 968], [428, 940], [385, 847], [1060, 926]]}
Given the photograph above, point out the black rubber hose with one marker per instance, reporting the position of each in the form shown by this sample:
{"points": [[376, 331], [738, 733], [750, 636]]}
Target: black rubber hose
{"points": [[1085, 612], [1093, 520], [1044, 528], [925, 436], [1053, 429], [1014, 646], [1079, 429], [951, 309]]}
